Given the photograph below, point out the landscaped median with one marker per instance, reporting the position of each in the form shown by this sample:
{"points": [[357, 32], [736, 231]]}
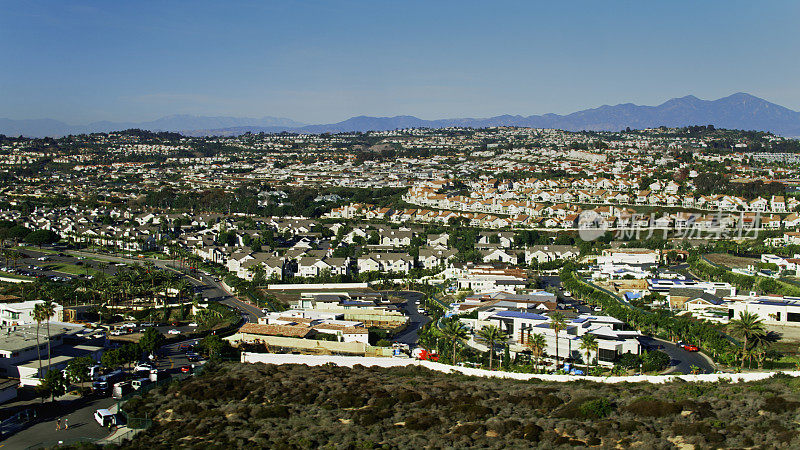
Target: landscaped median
{"points": [[715, 272]]}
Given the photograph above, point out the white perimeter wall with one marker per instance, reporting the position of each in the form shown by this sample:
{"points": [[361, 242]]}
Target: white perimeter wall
{"points": [[300, 287], [350, 361]]}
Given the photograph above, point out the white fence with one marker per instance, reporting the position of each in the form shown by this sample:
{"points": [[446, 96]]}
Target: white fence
{"points": [[350, 361], [300, 287]]}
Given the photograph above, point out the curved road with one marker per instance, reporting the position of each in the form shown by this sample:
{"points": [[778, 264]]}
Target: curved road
{"points": [[416, 320], [680, 359]]}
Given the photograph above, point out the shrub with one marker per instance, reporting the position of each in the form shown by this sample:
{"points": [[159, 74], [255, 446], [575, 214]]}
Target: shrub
{"points": [[585, 408], [650, 407], [471, 411], [422, 421], [779, 405], [469, 428], [275, 411], [596, 409], [655, 361], [532, 432]]}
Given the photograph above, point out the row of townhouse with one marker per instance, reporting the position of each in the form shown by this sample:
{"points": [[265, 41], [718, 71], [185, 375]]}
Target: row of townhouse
{"points": [[568, 216], [525, 200]]}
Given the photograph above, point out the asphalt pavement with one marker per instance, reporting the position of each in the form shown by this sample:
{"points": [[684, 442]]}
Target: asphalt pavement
{"points": [[680, 359], [80, 420], [410, 335]]}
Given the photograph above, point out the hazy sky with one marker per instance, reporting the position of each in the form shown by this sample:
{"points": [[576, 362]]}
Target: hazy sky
{"points": [[325, 61]]}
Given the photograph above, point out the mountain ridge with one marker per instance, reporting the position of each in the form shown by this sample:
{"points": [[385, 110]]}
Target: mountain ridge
{"points": [[737, 111]]}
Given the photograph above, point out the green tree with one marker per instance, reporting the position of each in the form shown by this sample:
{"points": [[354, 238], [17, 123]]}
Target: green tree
{"points": [[492, 334], [41, 237], [151, 340], [78, 369], [588, 344], [747, 326], [48, 310], [537, 344], [557, 323], [39, 317], [655, 361], [110, 359], [214, 346], [455, 332], [53, 385]]}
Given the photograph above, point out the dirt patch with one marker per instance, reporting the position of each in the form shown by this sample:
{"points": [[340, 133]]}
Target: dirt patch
{"points": [[734, 262], [788, 333]]}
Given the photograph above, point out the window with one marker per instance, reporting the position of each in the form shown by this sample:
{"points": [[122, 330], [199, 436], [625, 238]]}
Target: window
{"points": [[607, 355], [793, 317]]}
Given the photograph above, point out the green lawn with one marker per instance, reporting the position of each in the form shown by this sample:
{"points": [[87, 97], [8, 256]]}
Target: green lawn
{"points": [[71, 269], [37, 249], [15, 276]]}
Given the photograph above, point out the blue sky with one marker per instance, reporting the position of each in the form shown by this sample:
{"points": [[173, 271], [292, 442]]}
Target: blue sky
{"points": [[325, 61]]}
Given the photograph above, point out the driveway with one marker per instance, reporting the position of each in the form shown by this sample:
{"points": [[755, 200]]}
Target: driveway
{"points": [[416, 320], [680, 359]]}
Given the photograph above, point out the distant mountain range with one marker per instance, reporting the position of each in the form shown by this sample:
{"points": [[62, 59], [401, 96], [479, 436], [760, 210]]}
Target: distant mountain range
{"points": [[177, 123], [737, 111]]}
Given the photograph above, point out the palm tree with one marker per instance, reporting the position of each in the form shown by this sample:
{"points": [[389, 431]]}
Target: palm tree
{"points": [[491, 334], [39, 317], [537, 343], [760, 345], [557, 323], [48, 310], [456, 332], [588, 343], [183, 287], [747, 326]]}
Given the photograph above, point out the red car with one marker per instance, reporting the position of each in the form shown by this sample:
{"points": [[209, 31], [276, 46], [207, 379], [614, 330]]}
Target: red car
{"points": [[688, 347], [186, 369]]}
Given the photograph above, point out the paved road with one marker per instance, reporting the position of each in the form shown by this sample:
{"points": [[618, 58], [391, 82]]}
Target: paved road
{"points": [[79, 412], [680, 359], [416, 320], [81, 425]]}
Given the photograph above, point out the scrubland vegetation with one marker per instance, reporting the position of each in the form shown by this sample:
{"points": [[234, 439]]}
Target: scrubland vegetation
{"points": [[235, 405]]}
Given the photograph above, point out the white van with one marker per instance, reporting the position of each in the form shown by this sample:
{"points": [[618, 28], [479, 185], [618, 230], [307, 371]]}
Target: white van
{"points": [[138, 383], [105, 418]]}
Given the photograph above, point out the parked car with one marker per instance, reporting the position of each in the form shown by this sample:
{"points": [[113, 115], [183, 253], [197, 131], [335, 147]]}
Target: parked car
{"points": [[143, 367], [105, 417], [173, 331], [688, 347], [193, 357], [100, 387], [193, 324], [186, 369]]}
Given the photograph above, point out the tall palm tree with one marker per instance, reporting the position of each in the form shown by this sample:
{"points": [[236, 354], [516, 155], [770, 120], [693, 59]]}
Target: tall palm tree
{"points": [[747, 326], [557, 323], [455, 332], [39, 317], [48, 310], [588, 343], [760, 345], [537, 343], [492, 334]]}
